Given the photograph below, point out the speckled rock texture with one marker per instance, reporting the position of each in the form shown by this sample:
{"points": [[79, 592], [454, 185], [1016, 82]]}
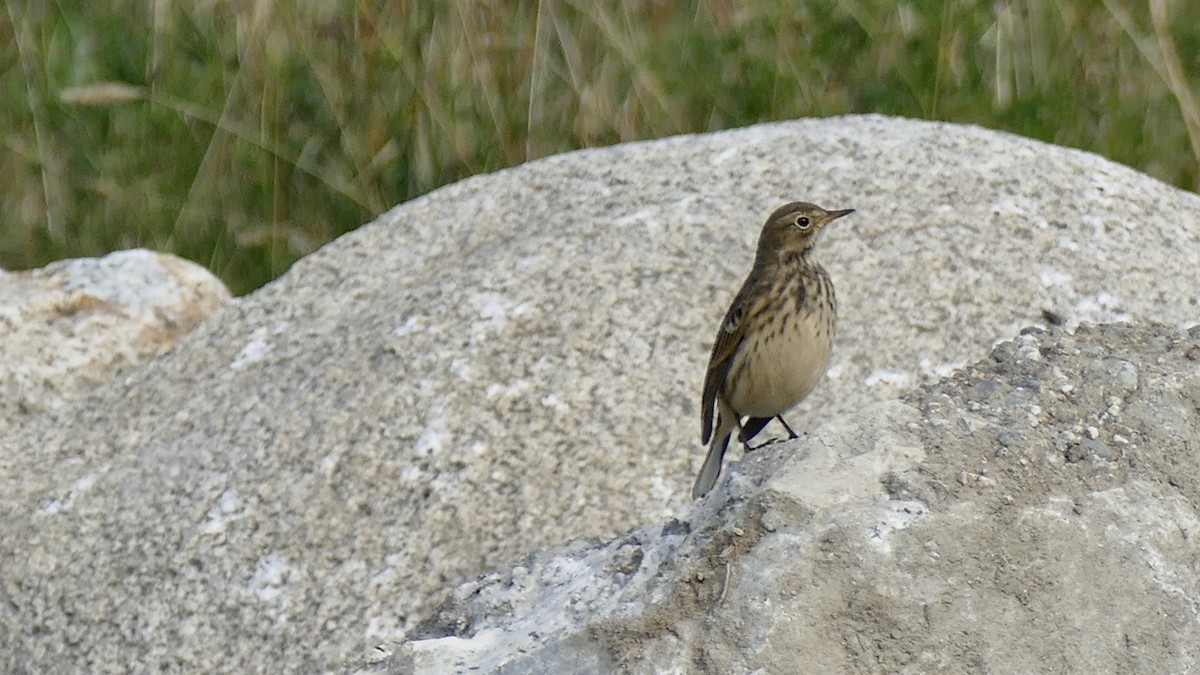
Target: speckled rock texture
{"points": [[1035, 512], [75, 324], [515, 361]]}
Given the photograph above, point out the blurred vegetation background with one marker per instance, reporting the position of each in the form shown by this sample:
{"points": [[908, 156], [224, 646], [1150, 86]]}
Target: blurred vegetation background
{"points": [[244, 135]]}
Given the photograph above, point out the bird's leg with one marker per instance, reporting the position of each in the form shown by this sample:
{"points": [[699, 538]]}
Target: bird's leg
{"points": [[750, 430], [753, 425], [791, 434]]}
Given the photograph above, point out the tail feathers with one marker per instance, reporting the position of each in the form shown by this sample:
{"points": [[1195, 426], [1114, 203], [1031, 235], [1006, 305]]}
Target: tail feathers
{"points": [[712, 463]]}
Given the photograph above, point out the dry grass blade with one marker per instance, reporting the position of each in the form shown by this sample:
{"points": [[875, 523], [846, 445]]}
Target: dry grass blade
{"points": [[1189, 104]]}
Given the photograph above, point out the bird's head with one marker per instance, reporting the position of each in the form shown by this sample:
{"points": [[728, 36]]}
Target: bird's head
{"points": [[794, 229]]}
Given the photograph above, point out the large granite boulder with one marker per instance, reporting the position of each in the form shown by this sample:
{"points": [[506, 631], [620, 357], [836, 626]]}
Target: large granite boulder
{"points": [[1034, 513], [513, 362]]}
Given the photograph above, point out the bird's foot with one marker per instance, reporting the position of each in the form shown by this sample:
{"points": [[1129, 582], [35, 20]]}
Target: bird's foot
{"points": [[747, 448]]}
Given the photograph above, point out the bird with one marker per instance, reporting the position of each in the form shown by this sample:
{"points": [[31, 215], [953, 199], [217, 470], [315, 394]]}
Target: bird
{"points": [[774, 344]]}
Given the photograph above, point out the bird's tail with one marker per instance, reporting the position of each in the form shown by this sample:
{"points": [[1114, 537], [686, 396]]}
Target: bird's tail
{"points": [[716, 454]]}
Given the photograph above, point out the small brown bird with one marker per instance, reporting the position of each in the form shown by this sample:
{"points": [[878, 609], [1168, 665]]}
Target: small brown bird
{"points": [[774, 344]]}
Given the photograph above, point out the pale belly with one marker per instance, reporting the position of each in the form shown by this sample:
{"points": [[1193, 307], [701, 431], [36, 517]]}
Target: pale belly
{"points": [[770, 375]]}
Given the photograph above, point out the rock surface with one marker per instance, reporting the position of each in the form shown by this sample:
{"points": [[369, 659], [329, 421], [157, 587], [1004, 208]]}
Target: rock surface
{"points": [[514, 362], [1035, 512], [76, 324]]}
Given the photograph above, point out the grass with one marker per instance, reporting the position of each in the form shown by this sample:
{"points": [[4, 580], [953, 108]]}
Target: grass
{"points": [[244, 135]]}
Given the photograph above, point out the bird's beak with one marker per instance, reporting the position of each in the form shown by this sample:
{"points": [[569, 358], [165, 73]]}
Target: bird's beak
{"points": [[834, 215]]}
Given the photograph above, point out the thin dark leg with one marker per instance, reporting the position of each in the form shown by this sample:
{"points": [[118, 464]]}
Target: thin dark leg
{"points": [[751, 427], [750, 430], [791, 434]]}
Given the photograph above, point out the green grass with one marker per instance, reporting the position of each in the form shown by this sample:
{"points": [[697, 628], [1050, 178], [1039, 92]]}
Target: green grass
{"points": [[244, 135]]}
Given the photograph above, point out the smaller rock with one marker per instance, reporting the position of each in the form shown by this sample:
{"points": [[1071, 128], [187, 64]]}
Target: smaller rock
{"points": [[1124, 374], [971, 479], [74, 324]]}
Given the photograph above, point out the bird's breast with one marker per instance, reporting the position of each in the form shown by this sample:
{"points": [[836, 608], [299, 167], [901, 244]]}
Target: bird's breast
{"points": [[784, 356]]}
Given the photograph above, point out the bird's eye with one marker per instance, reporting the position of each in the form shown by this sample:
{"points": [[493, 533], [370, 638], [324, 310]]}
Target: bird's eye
{"points": [[803, 222]]}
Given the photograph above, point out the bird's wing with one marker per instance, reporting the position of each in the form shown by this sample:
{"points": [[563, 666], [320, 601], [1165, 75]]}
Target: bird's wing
{"points": [[729, 336]]}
